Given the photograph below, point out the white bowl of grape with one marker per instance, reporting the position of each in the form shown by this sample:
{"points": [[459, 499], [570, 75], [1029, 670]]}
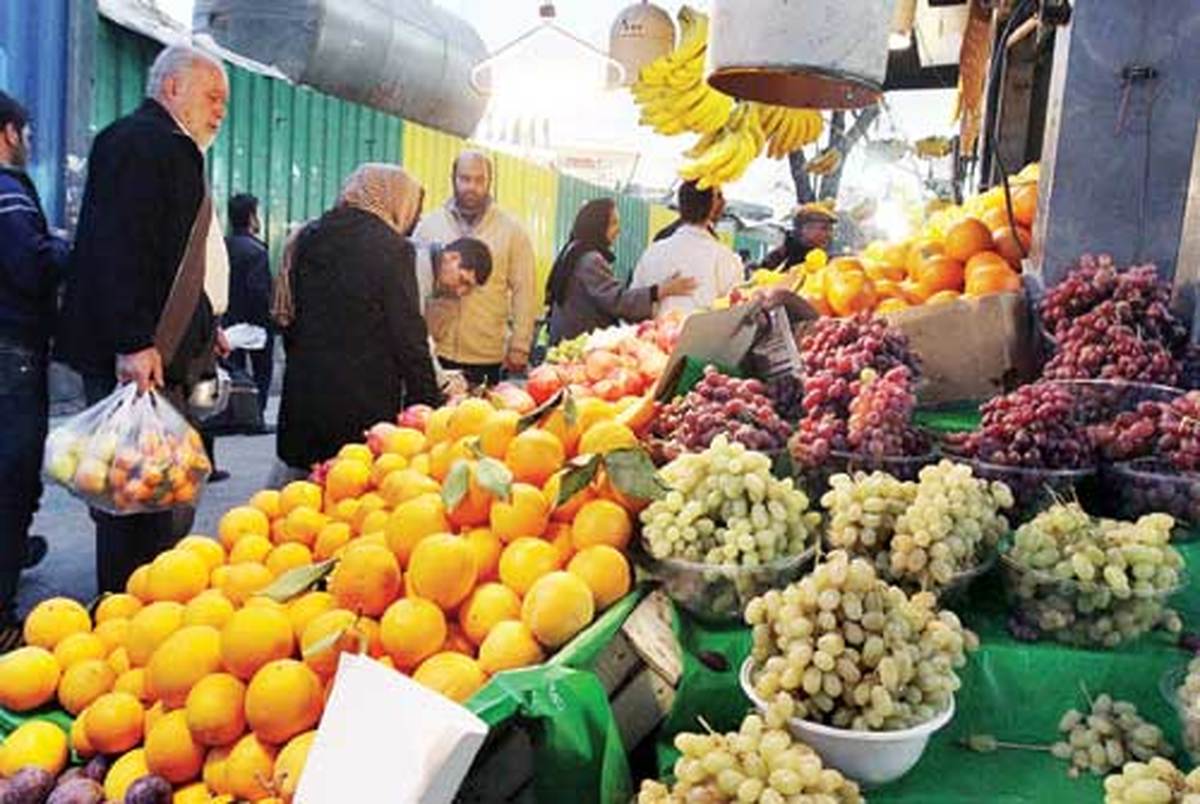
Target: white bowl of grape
{"points": [[872, 758]]}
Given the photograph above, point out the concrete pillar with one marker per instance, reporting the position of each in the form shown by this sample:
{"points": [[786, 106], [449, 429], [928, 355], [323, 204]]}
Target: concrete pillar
{"points": [[1120, 134]]}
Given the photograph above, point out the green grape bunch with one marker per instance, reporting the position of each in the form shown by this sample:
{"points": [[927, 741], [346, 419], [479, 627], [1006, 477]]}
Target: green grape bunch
{"points": [[725, 508], [1155, 782], [1106, 736], [1088, 580], [854, 652], [760, 762], [1187, 699]]}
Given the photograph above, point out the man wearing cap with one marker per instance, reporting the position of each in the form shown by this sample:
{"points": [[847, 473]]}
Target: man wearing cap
{"points": [[812, 228]]}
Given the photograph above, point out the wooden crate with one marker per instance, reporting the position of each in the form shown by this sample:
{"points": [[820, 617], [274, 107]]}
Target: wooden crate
{"points": [[639, 669]]}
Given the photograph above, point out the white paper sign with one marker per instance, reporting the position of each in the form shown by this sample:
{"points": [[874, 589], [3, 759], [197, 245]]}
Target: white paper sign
{"points": [[385, 738]]}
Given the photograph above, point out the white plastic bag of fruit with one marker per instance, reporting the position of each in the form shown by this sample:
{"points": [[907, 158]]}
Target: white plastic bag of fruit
{"points": [[130, 453]]}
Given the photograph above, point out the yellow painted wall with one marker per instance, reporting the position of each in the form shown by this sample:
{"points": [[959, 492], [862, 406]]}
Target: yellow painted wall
{"points": [[428, 156], [530, 192], [660, 216]]}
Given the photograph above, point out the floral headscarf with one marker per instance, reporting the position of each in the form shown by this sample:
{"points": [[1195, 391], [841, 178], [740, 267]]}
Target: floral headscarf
{"points": [[385, 191]]}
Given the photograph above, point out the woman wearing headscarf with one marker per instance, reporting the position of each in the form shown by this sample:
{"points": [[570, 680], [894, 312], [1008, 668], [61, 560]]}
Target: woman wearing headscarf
{"points": [[582, 291], [357, 348]]}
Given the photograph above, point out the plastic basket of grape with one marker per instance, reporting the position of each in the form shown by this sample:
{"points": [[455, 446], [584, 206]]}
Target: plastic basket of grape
{"points": [[1043, 605], [718, 593], [1034, 488], [814, 480], [872, 758], [1148, 486], [1180, 687], [1098, 401]]}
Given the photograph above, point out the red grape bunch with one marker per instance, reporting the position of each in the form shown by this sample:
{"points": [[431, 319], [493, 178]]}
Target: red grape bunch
{"points": [[1034, 426], [834, 352], [720, 404], [880, 421], [1169, 431]]}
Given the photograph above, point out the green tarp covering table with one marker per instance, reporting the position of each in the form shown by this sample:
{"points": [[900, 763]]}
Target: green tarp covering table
{"points": [[1015, 691]]}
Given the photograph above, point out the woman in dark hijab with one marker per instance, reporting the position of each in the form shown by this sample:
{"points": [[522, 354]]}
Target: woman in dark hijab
{"points": [[582, 291]]}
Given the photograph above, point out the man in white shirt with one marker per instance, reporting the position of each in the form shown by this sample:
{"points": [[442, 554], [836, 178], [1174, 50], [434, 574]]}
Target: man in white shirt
{"points": [[691, 251]]}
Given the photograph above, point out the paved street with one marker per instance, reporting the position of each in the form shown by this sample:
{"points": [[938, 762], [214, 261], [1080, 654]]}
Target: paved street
{"points": [[69, 568]]}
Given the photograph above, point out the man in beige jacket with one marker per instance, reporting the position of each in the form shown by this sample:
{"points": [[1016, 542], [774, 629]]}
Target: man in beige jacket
{"points": [[491, 328]]}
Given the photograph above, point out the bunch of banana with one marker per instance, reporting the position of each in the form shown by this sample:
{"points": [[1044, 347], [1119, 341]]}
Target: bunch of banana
{"points": [[933, 147], [671, 90], [723, 156], [788, 129], [828, 161]]}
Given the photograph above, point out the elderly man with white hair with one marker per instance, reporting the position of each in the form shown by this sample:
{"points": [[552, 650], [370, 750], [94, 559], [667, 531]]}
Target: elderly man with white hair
{"points": [[149, 272]]}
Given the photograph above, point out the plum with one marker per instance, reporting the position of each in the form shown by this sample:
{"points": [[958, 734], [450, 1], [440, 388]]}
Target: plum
{"points": [[79, 790], [29, 785], [149, 790], [97, 768]]}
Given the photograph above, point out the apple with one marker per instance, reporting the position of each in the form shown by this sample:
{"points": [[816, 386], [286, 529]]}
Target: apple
{"points": [[512, 397], [543, 383], [377, 437], [415, 416], [600, 363]]}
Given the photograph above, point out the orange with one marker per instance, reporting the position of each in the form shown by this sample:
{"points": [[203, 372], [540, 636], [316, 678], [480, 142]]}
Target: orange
{"points": [[195, 793], [209, 550], [895, 255], [375, 524], [184, 658], [878, 271], [559, 536], [565, 512], [116, 606], [299, 493], [454, 675], [250, 550], [210, 607], [112, 633], [534, 455], [601, 522], [331, 538], [526, 560], [605, 571], [509, 645], [177, 575], [253, 637], [473, 509], [412, 630], [437, 428], [469, 418], [240, 521], [367, 505], [420, 464], [456, 641], [967, 238], [268, 501], [439, 461], [344, 510], [283, 700], [150, 627], [347, 478], [486, 547], [289, 765], [306, 608], [53, 620], [487, 605], [606, 436], [995, 218], [442, 569], [993, 278], [243, 581], [37, 744], [558, 606], [366, 580], [118, 660], [555, 423], [171, 750], [77, 648], [412, 521], [215, 709], [919, 251], [939, 273], [78, 738], [983, 258], [404, 484], [891, 306], [1024, 203], [124, 772], [525, 513], [404, 442], [943, 297], [499, 431], [249, 768], [354, 639], [214, 775], [850, 292], [114, 722], [133, 681], [302, 524], [356, 452], [1013, 244], [288, 556], [83, 683]]}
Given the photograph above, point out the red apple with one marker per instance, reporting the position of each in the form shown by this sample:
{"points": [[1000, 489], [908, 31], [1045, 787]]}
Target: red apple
{"points": [[378, 435], [600, 364], [543, 383], [415, 416], [510, 397]]}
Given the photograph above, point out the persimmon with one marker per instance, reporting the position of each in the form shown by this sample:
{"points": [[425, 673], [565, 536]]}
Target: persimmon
{"points": [[1012, 243], [967, 238]]}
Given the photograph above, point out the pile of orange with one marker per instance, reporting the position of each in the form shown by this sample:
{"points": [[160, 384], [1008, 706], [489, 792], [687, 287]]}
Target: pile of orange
{"points": [[195, 675], [968, 251]]}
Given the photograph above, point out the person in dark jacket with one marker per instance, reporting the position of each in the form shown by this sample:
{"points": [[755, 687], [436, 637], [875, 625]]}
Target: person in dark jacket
{"points": [[812, 228], [31, 265], [357, 349], [144, 188], [250, 290], [582, 291]]}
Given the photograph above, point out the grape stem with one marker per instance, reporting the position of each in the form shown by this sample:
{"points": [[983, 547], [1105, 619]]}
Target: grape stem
{"points": [[965, 742]]}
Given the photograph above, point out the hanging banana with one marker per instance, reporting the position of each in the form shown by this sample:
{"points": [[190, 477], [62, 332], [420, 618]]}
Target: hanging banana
{"points": [[671, 90], [824, 164], [788, 129], [723, 157]]}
